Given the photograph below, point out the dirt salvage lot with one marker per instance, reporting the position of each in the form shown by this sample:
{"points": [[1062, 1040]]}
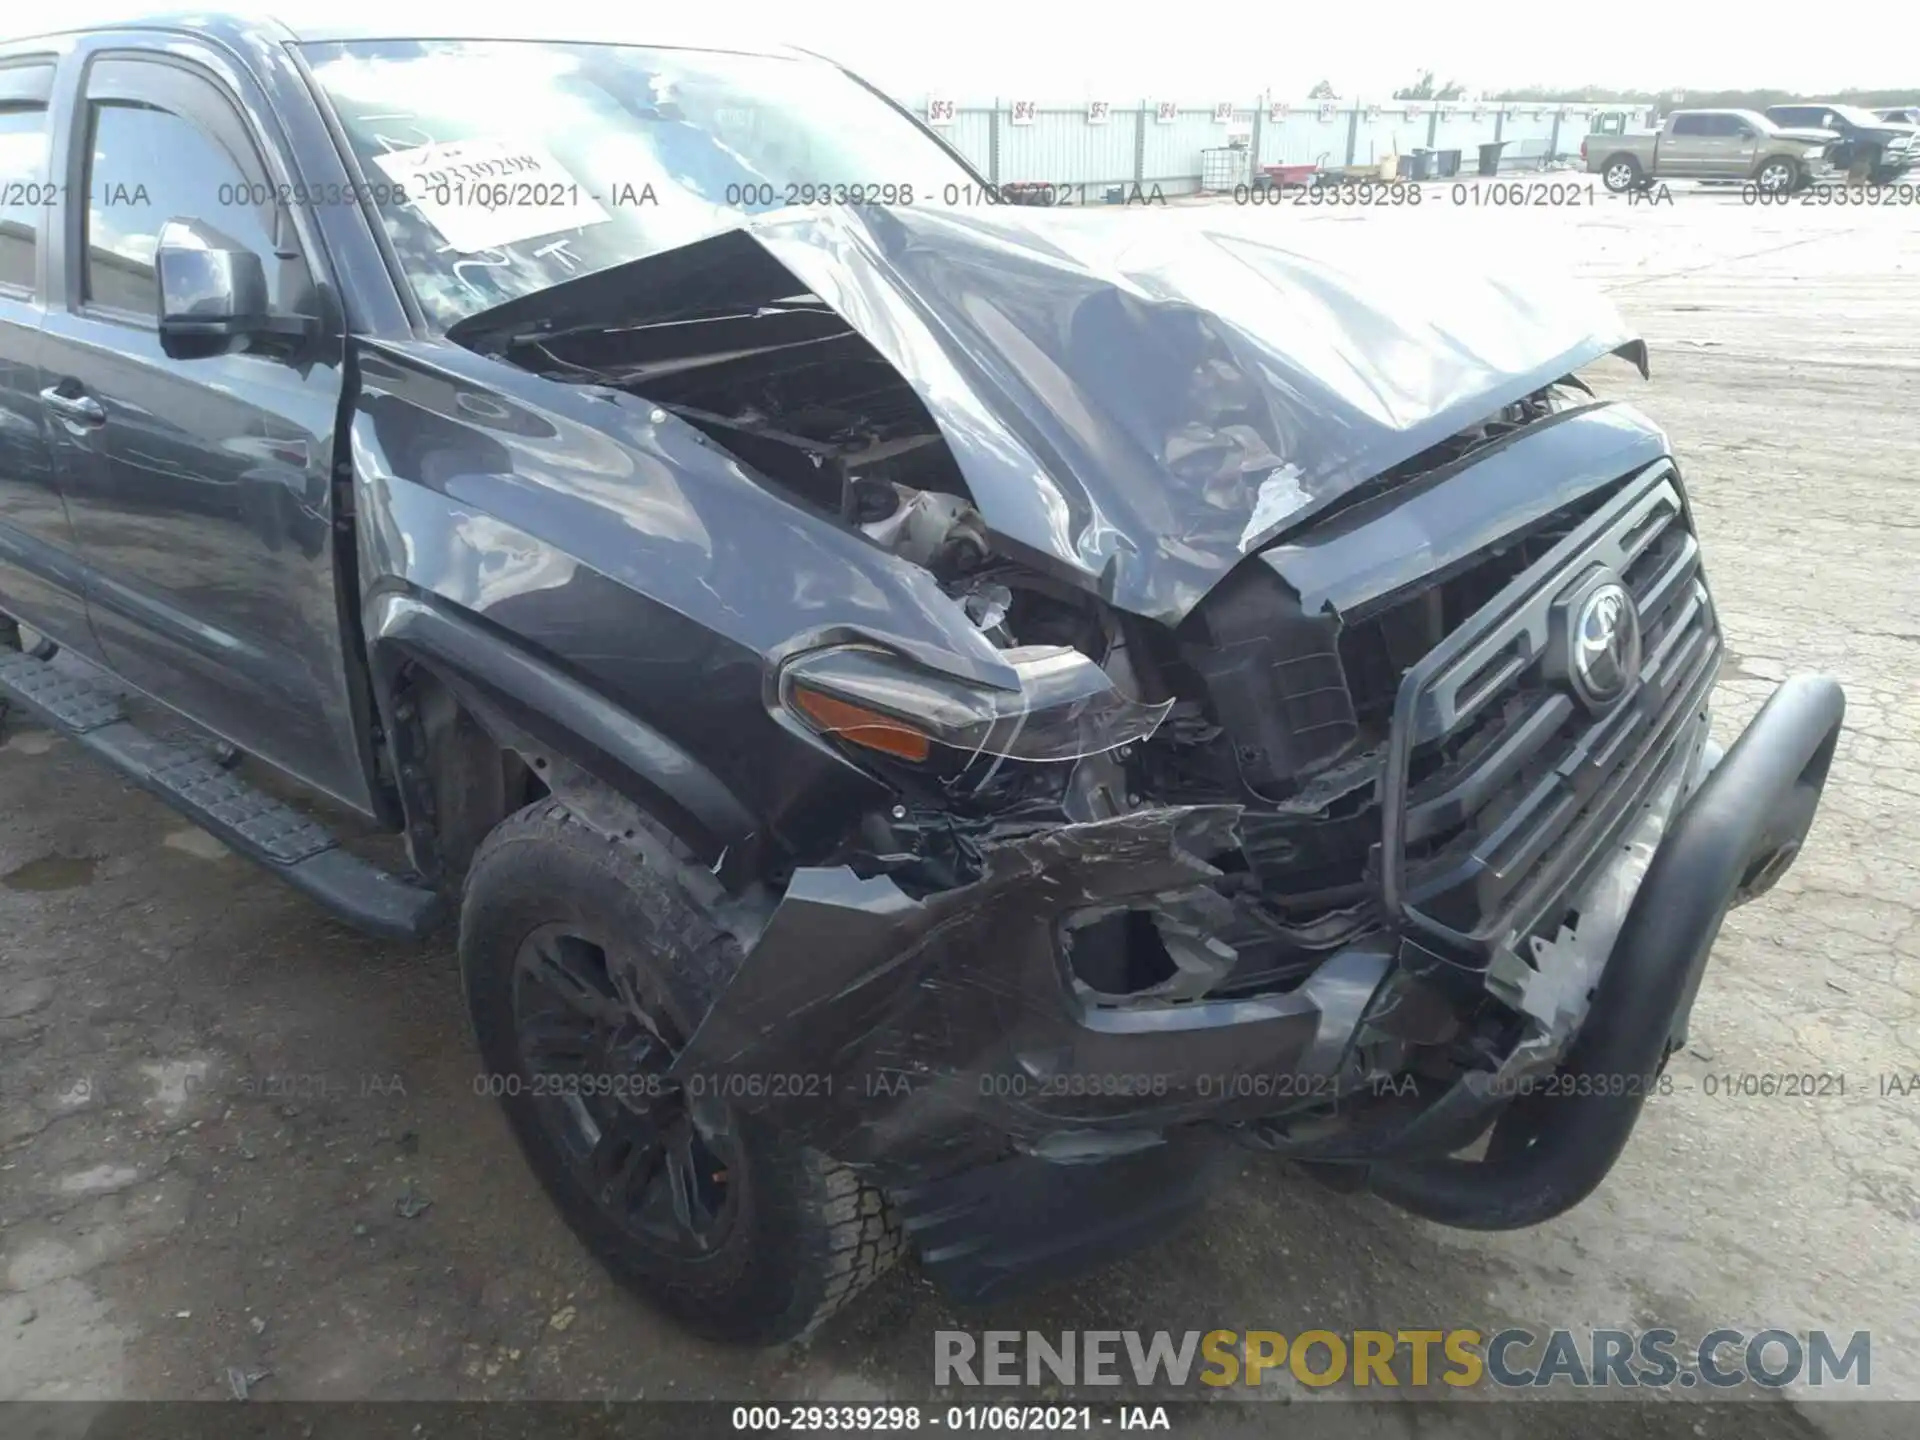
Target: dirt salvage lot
{"points": [[221, 1114]]}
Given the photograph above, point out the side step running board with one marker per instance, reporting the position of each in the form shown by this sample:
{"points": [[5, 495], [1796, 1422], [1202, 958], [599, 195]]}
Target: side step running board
{"points": [[292, 846]]}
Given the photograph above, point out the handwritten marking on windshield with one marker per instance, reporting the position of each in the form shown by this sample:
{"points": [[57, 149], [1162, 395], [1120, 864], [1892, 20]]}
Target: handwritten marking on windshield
{"points": [[542, 197], [561, 250]]}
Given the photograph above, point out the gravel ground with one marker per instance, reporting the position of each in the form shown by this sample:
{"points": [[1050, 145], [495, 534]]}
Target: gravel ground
{"points": [[169, 1211]]}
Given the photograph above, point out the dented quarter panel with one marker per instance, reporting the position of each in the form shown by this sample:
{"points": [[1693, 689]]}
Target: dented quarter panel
{"points": [[1138, 401]]}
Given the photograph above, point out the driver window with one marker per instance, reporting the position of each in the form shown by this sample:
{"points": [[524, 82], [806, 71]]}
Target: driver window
{"points": [[146, 167]]}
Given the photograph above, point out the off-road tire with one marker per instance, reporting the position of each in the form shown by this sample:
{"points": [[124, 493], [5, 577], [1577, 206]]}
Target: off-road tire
{"points": [[808, 1234], [1622, 173]]}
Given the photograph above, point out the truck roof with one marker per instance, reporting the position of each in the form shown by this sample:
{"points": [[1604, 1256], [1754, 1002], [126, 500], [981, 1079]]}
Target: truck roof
{"points": [[1724, 110], [1754, 118], [305, 21]]}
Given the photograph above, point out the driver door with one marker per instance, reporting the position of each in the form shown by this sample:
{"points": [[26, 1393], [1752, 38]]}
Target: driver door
{"points": [[200, 491], [1742, 147], [1719, 147], [1688, 146]]}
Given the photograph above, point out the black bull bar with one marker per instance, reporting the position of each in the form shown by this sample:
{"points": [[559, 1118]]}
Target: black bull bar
{"points": [[851, 978]]}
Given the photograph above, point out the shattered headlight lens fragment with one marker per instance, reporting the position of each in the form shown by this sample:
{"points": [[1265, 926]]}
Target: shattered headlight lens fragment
{"points": [[1066, 707]]}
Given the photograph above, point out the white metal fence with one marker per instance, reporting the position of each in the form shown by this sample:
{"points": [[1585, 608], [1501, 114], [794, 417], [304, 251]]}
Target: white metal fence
{"points": [[1161, 143]]}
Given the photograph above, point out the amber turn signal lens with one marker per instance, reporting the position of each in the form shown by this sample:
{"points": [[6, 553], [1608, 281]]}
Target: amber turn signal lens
{"points": [[864, 727]]}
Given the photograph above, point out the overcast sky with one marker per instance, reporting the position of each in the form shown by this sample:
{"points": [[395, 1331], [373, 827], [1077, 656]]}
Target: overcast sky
{"points": [[1230, 49]]}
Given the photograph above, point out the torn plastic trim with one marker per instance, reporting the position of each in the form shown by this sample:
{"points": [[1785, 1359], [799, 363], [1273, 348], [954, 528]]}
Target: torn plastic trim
{"points": [[1551, 989], [1379, 546], [1554, 987], [1552, 1149], [932, 1031], [1066, 706]]}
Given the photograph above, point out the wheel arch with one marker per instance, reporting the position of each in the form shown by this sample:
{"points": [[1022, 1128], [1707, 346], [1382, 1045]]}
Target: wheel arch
{"points": [[478, 726]]}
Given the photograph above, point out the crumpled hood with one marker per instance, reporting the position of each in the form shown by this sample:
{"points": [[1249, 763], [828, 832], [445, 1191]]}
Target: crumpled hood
{"points": [[1139, 398]]}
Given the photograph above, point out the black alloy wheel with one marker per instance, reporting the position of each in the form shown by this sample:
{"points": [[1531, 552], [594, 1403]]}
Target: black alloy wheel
{"points": [[597, 1052]]}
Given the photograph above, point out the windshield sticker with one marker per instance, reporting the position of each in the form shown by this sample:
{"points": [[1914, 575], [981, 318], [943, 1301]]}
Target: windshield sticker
{"points": [[482, 194]]}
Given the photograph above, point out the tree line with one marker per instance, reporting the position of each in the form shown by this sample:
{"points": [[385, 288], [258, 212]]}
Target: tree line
{"points": [[1424, 88]]}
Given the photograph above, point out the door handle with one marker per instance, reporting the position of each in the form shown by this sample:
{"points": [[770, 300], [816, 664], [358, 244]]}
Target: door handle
{"points": [[81, 409]]}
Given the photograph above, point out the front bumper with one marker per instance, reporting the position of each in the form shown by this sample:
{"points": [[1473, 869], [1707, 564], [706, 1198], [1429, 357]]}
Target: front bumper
{"points": [[940, 1044], [922, 1036]]}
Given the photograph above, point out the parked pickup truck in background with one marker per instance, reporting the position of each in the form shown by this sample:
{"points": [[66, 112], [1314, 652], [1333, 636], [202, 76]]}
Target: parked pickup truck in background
{"points": [[1710, 145], [1870, 146], [1901, 114]]}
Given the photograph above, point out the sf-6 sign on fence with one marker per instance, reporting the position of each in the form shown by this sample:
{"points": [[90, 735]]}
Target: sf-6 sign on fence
{"points": [[1099, 143]]}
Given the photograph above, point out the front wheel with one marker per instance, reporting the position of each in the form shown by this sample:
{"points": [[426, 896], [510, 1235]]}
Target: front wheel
{"points": [[1777, 177], [587, 964], [1622, 173]]}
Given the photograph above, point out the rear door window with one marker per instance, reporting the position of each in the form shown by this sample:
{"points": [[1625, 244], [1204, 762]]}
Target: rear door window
{"points": [[26, 196]]}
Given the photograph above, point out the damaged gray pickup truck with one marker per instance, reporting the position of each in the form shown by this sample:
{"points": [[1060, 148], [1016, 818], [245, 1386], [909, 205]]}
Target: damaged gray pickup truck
{"points": [[938, 720]]}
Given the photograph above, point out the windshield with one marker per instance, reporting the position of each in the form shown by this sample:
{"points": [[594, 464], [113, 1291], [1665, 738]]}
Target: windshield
{"points": [[503, 167]]}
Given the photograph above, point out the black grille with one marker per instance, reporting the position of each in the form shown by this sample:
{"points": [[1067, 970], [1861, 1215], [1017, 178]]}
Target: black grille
{"points": [[1381, 643], [1499, 781]]}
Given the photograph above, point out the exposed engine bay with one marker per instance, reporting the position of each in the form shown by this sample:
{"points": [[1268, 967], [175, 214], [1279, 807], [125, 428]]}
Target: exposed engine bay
{"points": [[1271, 708]]}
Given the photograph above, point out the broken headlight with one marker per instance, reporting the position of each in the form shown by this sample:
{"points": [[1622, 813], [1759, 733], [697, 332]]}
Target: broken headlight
{"points": [[1066, 707]]}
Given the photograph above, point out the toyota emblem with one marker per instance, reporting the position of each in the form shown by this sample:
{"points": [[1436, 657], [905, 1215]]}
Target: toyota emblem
{"points": [[1605, 640]]}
